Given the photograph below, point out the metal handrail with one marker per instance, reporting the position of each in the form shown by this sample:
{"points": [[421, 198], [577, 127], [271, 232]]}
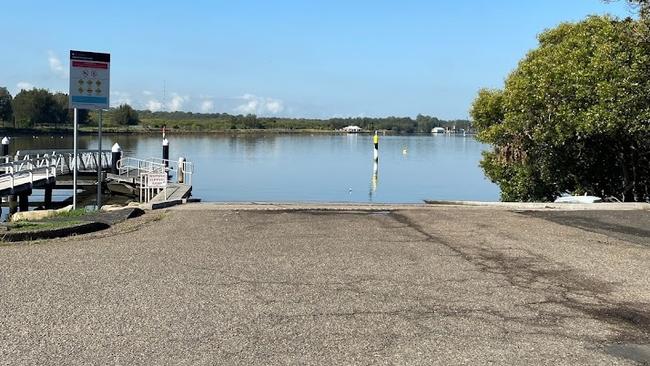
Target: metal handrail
{"points": [[142, 166], [147, 193], [50, 164], [188, 167], [27, 168], [57, 151]]}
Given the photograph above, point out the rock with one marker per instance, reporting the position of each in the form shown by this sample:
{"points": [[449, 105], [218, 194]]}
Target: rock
{"points": [[32, 215], [109, 208], [38, 215], [67, 208]]}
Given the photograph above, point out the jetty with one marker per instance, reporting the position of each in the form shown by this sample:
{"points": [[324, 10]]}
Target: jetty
{"points": [[158, 181], [152, 180]]}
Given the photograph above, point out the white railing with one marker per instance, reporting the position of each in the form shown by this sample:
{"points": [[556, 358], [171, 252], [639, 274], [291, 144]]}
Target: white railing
{"points": [[37, 165], [187, 168], [134, 167], [87, 160], [26, 170], [146, 191]]}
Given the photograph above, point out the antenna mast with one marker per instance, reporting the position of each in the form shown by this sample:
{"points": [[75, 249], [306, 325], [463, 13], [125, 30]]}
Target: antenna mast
{"points": [[164, 95]]}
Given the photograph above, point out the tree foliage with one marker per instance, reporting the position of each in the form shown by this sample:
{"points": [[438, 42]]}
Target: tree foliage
{"points": [[572, 117], [225, 121], [6, 111], [35, 106], [124, 115], [39, 107]]}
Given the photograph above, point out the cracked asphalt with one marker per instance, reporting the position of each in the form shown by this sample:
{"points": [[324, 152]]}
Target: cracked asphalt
{"points": [[203, 284]]}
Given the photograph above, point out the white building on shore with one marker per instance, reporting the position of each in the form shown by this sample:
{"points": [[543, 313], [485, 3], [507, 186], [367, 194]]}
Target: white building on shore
{"points": [[438, 130], [352, 129]]}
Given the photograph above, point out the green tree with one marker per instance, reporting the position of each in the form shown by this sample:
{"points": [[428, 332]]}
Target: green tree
{"points": [[66, 115], [572, 117], [424, 123], [62, 110], [6, 111], [35, 106], [124, 115]]}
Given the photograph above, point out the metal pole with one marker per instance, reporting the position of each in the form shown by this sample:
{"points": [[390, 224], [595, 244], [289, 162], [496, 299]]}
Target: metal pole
{"points": [[99, 164], [74, 159]]}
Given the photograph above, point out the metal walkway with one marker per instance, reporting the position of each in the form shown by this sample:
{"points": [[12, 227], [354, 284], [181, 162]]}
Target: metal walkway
{"points": [[134, 175], [30, 169]]}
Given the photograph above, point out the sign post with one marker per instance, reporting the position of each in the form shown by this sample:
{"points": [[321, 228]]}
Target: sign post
{"points": [[99, 161], [89, 89]]}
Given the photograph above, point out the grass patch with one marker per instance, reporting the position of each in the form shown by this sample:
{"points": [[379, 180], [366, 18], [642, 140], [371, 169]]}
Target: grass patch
{"points": [[40, 225], [72, 213]]}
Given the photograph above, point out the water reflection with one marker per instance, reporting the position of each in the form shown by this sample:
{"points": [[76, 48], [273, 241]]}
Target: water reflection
{"points": [[374, 180], [322, 167], [45, 142]]}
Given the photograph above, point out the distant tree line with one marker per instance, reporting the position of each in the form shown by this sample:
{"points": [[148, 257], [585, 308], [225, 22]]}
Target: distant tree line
{"points": [[225, 121], [37, 107], [40, 108]]}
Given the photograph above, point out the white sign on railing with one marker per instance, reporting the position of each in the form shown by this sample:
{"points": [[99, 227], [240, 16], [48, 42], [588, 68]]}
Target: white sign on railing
{"points": [[157, 180]]}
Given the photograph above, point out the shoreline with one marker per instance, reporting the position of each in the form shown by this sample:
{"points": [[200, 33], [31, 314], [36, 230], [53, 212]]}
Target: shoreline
{"points": [[10, 131], [379, 207]]}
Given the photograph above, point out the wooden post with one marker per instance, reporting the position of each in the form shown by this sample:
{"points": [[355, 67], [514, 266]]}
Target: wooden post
{"points": [[48, 196], [23, 202], [5, 152], [5, 146], [165, 152], [116, 154], [181, 170], [13, 204]]}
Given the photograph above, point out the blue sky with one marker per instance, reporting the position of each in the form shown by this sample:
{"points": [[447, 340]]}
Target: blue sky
{"points": [[285, 58]]}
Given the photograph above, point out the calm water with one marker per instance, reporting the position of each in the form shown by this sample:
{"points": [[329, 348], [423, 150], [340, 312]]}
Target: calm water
{"points": [[315, 168]]}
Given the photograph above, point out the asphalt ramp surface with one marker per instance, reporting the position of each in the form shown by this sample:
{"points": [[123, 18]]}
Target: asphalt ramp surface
{"points": [[435, 286]]}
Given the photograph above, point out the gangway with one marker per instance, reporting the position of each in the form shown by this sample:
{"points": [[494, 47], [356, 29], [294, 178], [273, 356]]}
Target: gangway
{"points": [[38, 168], [133, 178]]}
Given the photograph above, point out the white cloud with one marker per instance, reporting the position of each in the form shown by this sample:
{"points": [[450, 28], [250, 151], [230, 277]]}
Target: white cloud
{"points": [[56, 66], [120, 97], [274, 106], [259, 105], [24, 85], [177, 102], [207, 106], [154, 105], [147, 93]]}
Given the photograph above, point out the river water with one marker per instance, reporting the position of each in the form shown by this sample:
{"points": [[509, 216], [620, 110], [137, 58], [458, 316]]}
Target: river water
{"points": [[312, 168]]}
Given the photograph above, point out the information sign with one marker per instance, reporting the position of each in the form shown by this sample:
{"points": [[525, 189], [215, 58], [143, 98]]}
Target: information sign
{"points": [[89, 80], [157, 180]]}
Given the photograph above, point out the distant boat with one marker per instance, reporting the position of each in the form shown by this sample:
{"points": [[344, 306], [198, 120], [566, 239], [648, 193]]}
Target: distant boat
{"points": [[352, 129], [438, 130]]}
